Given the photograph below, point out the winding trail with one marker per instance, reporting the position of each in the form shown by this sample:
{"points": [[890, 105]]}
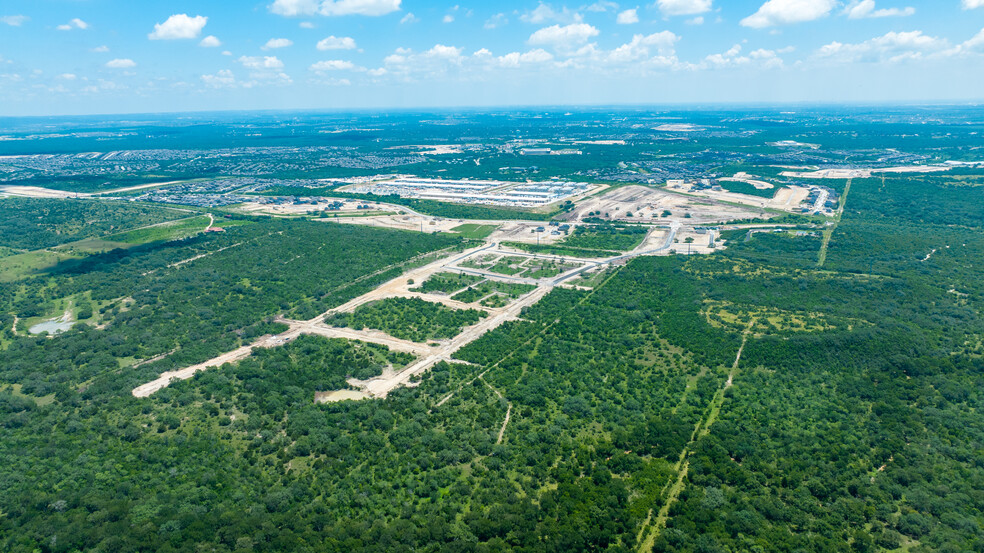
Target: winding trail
{"points": [[502, 431], [829, 232], [505, 423]]}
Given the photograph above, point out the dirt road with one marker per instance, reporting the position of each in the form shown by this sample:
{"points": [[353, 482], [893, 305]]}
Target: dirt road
{"points": [[314, 326], [400, 287], [381, 386]]}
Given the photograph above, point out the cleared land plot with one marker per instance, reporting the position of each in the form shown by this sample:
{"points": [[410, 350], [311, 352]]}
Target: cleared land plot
{"points": [[447, 283], [493, 293], [591, 278], [504, 265], [474, 231], [409, 318], [606, 237], [555, 249], [652, 205], [546, 268]]}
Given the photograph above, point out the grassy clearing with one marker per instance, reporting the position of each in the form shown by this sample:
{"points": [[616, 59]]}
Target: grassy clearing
{"points": [[550, 249], [504, 265], [592, 278], [619, 238], [174, 230], [493, 293], [474, 231], [409, 319], [546, 268], [447, 283], [766, 320], [26, 265], [15, 390]]}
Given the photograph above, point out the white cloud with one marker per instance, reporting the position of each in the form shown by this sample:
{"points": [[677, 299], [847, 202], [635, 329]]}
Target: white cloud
{"points": [[67, 76], [442, 51], [73, 24], [641, 46], [543, 13], [891, 47], [332, 65], [971, 4], [333, 82], [14, 20], [222, 79], [336, 43], [563, 38], [602, 6], [210, 42], [977, 41], [448, 18], [293, 8], [860, 9], [627, 17], [306, 25], [684, 7], [101, 49], [257, 62], [783, 12], [496, 20], [405, 63], [699, 20], [121, 63], [102, 86], [359, 7], [767, 59], [275, 43], [973, 45], [516, 59], [409, 18], [179, 26]]}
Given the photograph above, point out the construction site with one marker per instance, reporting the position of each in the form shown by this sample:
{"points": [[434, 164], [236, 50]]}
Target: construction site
{"points": [[502, 193]]}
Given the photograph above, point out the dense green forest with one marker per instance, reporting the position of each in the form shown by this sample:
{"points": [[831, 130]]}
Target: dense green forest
{"points": [[746, 188], [783, 394]]}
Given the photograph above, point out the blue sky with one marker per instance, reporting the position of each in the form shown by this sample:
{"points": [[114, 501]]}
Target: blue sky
{"points": [[114, 56]]}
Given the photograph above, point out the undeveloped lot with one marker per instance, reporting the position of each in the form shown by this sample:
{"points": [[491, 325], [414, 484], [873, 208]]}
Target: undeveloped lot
{"points": [[648, 205]]}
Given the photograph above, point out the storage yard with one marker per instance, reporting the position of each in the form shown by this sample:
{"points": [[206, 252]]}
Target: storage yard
{"points": [[502, 193]]}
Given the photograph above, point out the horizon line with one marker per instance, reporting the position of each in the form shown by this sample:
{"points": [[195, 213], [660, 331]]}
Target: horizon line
{"points": [[692, 106]]}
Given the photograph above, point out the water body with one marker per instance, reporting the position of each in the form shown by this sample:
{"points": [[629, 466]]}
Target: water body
{"points": [[51, 327]]}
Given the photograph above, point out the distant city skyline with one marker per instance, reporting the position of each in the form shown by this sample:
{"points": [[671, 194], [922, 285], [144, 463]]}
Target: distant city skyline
{"points": [[60, 57]]}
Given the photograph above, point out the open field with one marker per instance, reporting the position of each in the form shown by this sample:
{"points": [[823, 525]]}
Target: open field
{"points": [[38, 192], [475, 231], [854, 173], [649, 204], [24, 265]]}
